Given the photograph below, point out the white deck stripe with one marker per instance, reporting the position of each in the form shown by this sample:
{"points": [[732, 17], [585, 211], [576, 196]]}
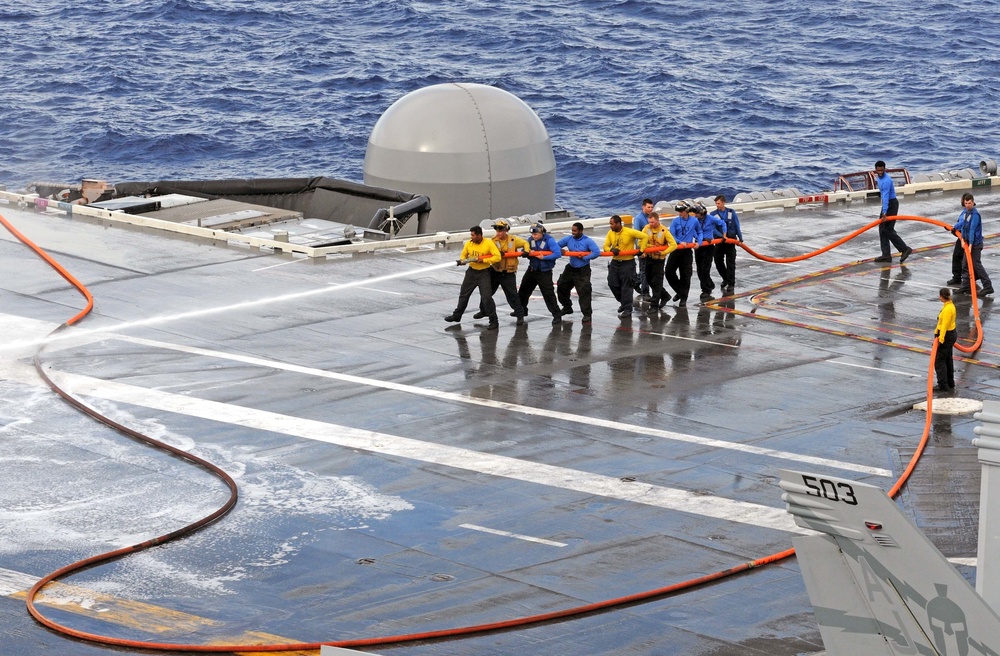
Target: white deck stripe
{"points": [[14, 325], [12, 582], [928, 285], [204, 312], [508, 534], [301, 259], [521, 409], [883, 370], [448, 456], [382, 291], [694, 339]]}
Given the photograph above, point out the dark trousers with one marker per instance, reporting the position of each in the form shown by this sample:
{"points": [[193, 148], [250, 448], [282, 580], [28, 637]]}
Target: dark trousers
{"points": [[725, 263], [887, 231], [543, 281], [643, 281], [506, 280], [960, 266], [622, 279], [578, 278], [477, 279], [944, 365], [703, 257], [654, 280], [678, 271]]}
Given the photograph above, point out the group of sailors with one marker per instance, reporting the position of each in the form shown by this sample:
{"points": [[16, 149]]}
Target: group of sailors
{"points": [[694, 241]]}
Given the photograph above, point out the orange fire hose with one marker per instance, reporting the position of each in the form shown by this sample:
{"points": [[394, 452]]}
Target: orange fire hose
{"points": [[383, 640], [922, 219]]}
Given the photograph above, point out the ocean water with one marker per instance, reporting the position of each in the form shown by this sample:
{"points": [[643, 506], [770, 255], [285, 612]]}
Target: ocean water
{"points": [[657, 98]]}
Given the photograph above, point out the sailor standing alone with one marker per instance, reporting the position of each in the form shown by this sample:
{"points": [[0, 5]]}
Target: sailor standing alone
{"points": [[946, 334], [887, 227]]}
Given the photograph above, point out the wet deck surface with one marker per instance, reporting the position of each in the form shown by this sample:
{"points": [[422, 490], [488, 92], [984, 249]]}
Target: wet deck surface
{"points": [[399, 474]]}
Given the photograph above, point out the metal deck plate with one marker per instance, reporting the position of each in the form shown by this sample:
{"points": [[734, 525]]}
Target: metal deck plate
{"points": [[223, 214]]}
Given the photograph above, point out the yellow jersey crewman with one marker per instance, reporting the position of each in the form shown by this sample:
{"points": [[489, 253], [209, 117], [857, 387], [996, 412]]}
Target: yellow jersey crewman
{"points": [[946, 334], [655, 260], [622, 277], [504, 273], [479, 254]]}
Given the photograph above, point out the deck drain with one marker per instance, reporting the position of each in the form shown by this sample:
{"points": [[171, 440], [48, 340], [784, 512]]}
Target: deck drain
{"points": [[442, 577], [952, 406]]}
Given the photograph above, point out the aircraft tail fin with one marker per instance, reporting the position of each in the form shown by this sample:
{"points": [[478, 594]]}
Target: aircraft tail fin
{"points": [[876, 583]]}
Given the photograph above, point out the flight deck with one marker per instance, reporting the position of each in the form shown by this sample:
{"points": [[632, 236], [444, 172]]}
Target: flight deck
{"points": [[402, 475]]}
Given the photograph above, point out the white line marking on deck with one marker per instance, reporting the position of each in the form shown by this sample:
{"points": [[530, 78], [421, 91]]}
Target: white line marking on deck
{"points": [[693, 339], [705, 505], [862, 366], [382, 291], [278, 265], [508, 534], [242, 305], [12, 582], [928, 285], [526, 410], [12, 324], [847, 282]]}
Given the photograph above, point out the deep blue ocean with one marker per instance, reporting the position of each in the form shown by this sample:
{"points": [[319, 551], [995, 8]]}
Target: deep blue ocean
{"points": [[657, 98]]}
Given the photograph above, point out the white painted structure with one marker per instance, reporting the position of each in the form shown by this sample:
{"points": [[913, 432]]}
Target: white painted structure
{"points": [[988, 564], [478, 152]]}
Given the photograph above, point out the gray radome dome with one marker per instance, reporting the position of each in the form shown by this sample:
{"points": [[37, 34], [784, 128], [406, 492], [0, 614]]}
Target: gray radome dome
{"points": [[478, 152]]}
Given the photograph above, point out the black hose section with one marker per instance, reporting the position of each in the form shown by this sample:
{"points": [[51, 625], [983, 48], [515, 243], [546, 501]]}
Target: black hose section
{"points": [[420, 205], [157, 444]]}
